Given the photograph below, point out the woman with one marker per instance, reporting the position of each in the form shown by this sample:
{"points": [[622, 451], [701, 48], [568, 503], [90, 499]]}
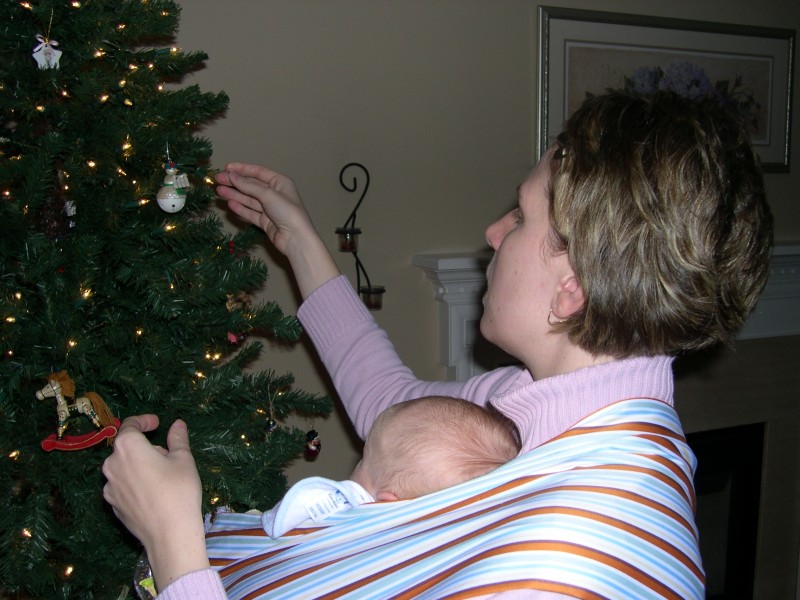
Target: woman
{"points": [[641, 234]]}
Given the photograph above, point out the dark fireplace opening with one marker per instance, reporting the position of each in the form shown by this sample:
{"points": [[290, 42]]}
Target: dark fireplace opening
{"points": [[728, 488]]}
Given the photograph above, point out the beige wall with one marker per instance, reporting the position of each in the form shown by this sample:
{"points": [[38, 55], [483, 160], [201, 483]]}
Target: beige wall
{"points": [[437, 99]]}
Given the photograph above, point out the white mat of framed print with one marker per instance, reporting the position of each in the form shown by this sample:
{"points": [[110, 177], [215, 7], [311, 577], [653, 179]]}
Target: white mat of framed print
{"points": [[749, 68]]}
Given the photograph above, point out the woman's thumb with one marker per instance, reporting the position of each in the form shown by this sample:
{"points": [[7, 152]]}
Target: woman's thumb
{"points": [[178, 436]]}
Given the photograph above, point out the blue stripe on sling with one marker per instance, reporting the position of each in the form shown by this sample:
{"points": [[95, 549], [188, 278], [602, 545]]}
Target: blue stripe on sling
{"points": [[605, 510]]}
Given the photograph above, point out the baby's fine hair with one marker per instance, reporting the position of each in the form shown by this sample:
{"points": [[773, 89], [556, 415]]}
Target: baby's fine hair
{"points": [[459, 440], [659, 203]]}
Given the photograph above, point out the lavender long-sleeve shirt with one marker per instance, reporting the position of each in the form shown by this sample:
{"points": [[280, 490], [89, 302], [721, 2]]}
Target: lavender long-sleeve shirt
{"points": [[369, 376]]}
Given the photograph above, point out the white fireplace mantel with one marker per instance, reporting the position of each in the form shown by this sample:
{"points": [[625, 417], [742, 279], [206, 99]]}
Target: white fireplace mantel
{"points": [[459, 280]]}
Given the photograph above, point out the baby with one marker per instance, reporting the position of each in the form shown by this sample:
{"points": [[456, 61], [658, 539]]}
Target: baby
{"points": [[414, 448]]}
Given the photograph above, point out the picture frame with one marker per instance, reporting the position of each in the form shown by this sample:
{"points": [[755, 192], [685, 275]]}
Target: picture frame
{"points": [[589, 52]]}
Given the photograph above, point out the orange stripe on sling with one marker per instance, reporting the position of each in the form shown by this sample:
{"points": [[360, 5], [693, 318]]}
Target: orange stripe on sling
{"points": [[634, 427], [253, 531]]}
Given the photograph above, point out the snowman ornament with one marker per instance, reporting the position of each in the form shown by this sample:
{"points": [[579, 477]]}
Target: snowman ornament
{"points": [[171, 197]]}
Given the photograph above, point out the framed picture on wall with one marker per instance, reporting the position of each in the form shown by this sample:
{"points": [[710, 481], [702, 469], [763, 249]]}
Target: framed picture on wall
{"points": [[585, 52]]}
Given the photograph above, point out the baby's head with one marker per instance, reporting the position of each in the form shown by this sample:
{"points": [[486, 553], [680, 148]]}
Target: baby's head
{"points": [[421, 446]]}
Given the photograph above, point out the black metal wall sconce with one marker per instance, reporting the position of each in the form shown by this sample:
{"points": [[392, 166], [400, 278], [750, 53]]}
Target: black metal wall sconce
{"points": [[372, 295]]}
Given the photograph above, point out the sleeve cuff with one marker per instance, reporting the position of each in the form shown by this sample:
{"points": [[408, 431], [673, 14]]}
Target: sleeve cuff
{"points": [[198, 585]]}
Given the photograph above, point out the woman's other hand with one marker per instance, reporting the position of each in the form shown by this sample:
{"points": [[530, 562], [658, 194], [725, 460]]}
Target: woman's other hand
{"points": [[156, 493]]}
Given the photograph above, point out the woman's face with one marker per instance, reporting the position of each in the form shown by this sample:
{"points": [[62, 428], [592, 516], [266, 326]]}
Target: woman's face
{"points": [[524, 274]]}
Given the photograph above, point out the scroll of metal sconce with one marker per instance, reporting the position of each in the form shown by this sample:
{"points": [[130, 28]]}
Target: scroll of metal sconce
{"points": [[372, 295]]}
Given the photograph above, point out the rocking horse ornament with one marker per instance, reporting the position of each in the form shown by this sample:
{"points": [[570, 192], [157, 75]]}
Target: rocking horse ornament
{"points": [[61, 387]]}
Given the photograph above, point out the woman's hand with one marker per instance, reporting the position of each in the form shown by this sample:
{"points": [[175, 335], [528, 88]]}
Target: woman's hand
{"points": [[266, 199], [156, 493], [270, 201]]}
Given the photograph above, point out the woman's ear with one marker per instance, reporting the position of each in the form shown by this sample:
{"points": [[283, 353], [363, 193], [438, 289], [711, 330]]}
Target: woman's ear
{"points": [[569, 297]]}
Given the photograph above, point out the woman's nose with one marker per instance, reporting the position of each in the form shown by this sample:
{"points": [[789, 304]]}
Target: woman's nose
{"points": [[495, 233]]}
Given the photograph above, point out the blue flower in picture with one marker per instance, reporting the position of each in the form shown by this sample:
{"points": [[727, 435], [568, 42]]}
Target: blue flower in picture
{"points": [[690, 81], [643, 81], [687, 80]]}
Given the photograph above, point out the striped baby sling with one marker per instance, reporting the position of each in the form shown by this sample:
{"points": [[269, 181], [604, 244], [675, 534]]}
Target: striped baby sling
{"points": [[605, 510]]}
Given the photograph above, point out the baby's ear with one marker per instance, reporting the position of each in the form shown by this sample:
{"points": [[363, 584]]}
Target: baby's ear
{"points": [[386, 497]]}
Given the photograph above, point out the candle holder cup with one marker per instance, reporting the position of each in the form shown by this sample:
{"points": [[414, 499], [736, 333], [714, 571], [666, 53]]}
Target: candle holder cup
{"points": [[348, 239], [372, 296]]}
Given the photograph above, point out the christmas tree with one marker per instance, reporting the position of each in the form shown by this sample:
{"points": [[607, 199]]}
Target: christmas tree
{"points": [[109, 300]]}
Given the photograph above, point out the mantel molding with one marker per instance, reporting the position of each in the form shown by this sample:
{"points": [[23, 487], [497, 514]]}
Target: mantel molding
{"points": [[778, 310], [459, 278]]}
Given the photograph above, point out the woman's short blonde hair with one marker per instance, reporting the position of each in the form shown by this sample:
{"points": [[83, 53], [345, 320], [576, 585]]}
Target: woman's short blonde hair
{"points": [[659, 203]]}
